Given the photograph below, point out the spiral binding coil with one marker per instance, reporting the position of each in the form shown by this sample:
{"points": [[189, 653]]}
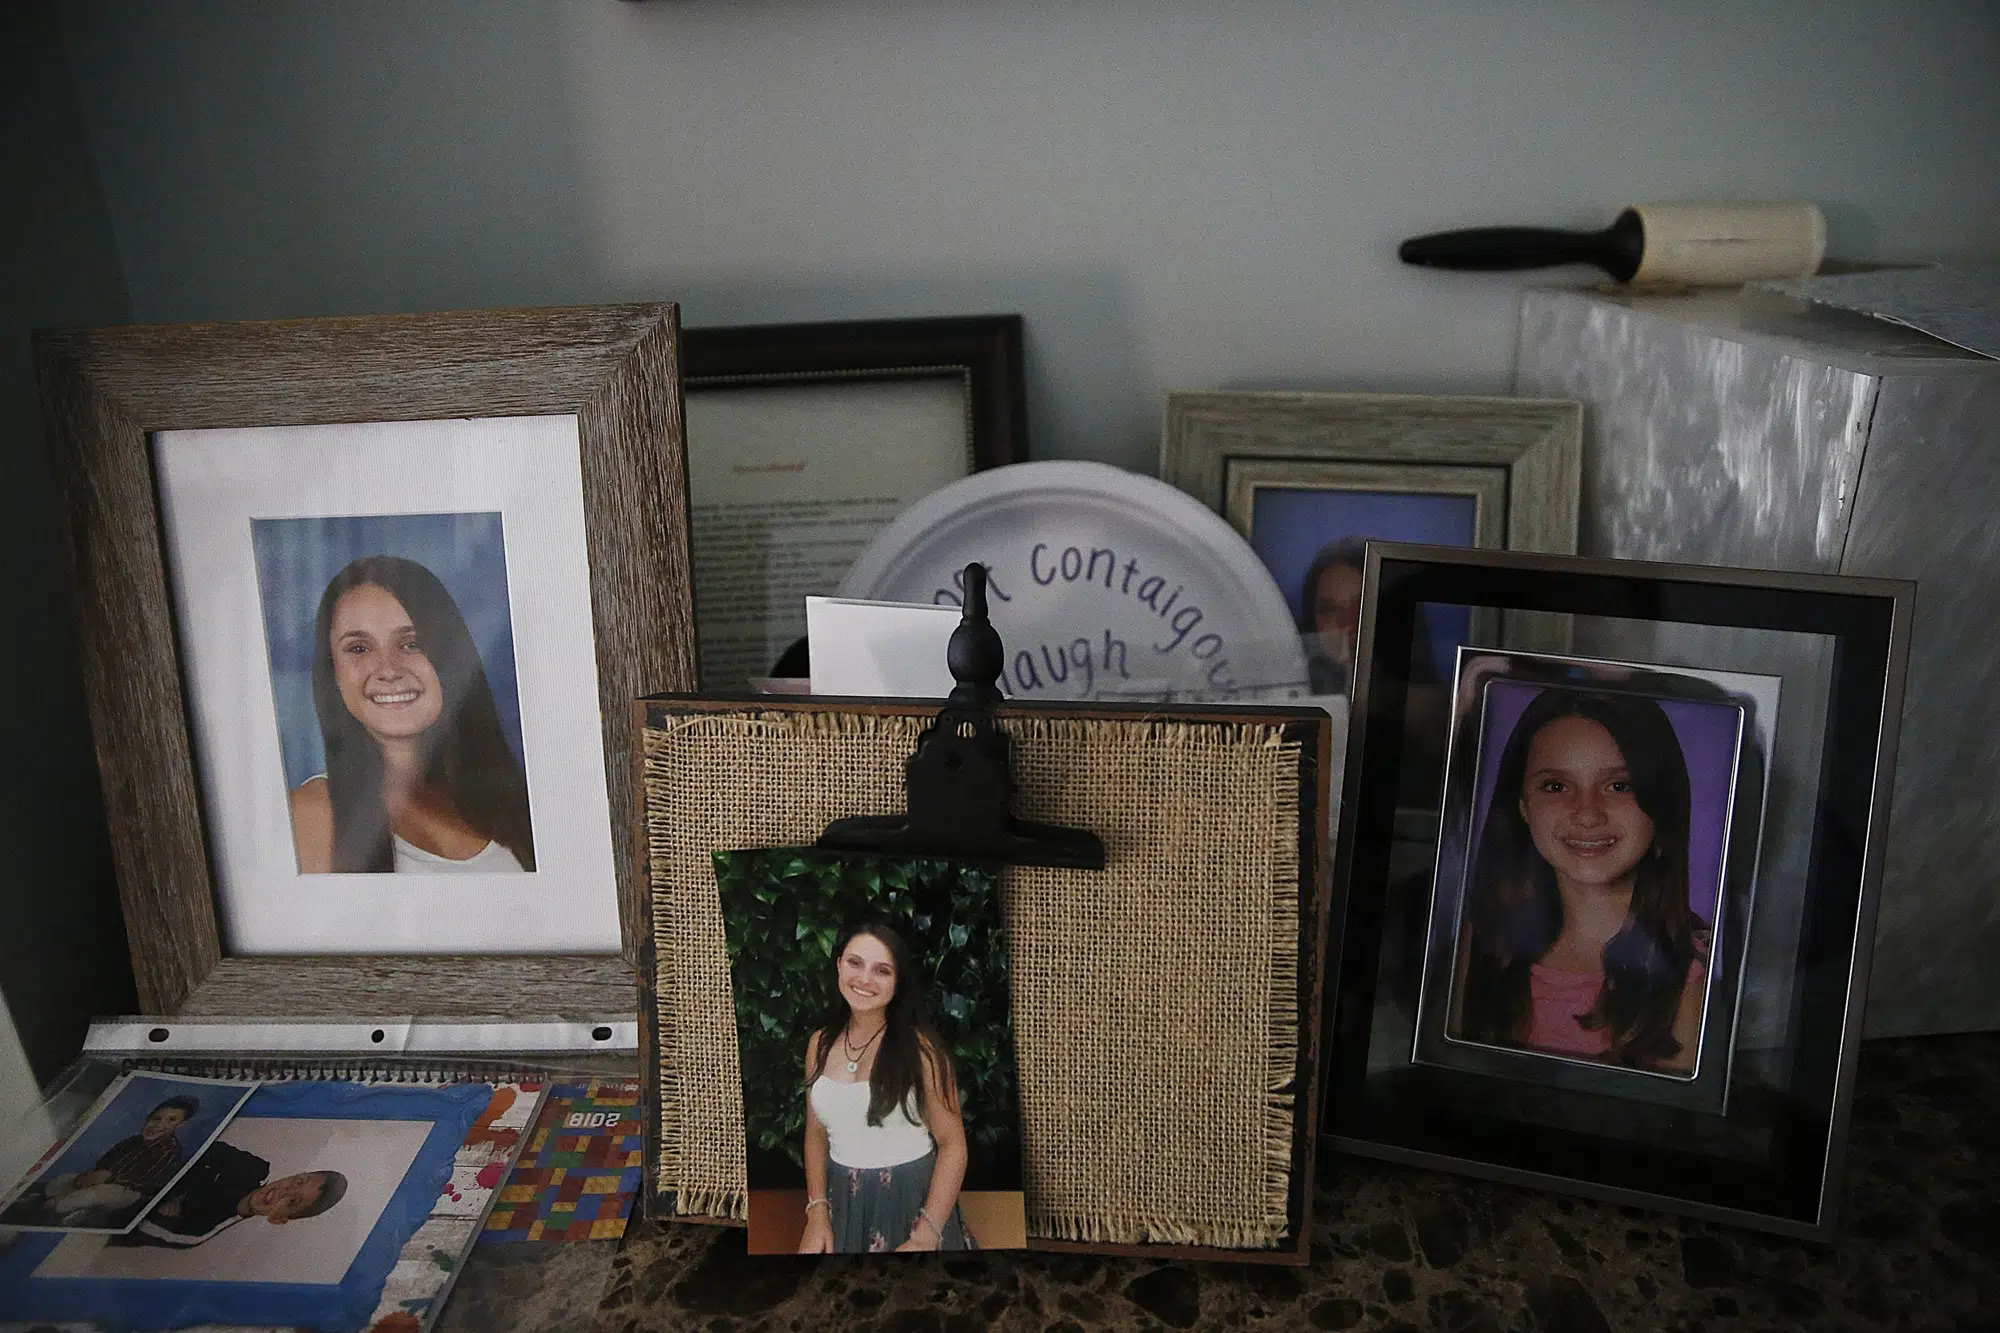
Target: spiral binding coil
{"points": [[294, 1068]]}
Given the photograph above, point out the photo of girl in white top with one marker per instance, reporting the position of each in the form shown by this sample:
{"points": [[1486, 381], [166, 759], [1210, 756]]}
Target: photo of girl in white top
{"points": [[885, 1141]]}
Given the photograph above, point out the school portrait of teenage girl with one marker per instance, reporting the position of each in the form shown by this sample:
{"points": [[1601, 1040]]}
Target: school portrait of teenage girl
{"points": [[1579, 935], [403, 763]]}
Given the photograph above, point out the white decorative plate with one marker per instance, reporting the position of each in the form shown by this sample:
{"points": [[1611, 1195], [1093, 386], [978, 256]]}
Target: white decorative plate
{"points": [[1102, 584]]}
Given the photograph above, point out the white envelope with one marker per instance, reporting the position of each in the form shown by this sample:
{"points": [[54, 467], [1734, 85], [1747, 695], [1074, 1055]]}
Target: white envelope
{"points": [[879, 649]]}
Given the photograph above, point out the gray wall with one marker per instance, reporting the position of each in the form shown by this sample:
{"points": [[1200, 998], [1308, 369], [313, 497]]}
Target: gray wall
{"points": [[62, 951], [1176, 195]]}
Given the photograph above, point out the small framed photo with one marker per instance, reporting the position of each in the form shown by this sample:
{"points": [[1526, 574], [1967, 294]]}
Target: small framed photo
{"points": [[804, 440], [1309, 479], [1633, 962], [363, 603], [297, 1213], [145, 1132]]}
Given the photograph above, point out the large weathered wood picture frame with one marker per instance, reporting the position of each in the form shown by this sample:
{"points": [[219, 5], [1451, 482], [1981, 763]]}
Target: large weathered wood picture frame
{"points": [[108, 392], [1215, 826]]}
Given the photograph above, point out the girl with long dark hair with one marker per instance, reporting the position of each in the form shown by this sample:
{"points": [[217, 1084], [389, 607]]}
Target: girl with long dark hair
{"points": [[419, 777], [885, 1150], [1578, 938]]}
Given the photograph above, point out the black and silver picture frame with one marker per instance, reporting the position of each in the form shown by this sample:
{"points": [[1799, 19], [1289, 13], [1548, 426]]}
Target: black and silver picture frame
{"points": [[1633, 963]]}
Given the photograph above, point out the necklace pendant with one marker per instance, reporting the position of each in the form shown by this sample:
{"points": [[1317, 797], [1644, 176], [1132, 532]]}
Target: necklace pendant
{"points": [[853, 1066]]}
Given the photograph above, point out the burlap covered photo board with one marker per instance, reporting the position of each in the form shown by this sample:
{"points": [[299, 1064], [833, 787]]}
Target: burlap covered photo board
{"points": [[1166, 1009]]}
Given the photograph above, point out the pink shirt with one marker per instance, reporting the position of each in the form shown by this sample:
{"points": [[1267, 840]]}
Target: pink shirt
{"points": [[1558, 999]]}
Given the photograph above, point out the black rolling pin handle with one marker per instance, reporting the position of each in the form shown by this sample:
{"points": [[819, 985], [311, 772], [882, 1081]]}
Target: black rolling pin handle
{"points": [[1616, 249]]}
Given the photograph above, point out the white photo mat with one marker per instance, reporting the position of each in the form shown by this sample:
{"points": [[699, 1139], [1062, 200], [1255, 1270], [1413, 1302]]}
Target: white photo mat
{"points": [[212, 483]]}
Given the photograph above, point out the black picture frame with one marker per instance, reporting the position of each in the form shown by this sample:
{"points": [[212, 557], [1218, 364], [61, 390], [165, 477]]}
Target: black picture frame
{"points": [[981, 355], [986, 350], [1771, 1158]]}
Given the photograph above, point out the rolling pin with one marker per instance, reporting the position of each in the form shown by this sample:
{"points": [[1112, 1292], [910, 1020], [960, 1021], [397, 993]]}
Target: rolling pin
{"points": [[1702, 245]]}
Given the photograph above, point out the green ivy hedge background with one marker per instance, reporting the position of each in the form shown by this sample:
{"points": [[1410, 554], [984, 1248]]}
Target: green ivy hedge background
{"points": [[783, 910]]}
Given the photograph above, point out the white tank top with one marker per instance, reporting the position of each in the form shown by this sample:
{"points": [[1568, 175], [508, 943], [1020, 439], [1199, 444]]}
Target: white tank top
{"points": [[842, 1109], [411, 859]]}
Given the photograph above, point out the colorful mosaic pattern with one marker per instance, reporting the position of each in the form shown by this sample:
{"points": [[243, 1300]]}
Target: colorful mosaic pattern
{"points": [[580, 1172]]}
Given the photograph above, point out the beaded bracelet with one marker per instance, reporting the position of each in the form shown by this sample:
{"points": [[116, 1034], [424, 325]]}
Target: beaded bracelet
{"points": [[822, 1203]]}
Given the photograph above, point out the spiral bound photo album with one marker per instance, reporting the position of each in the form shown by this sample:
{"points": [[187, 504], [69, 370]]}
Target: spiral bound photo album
{"points": [[347, 1192]]}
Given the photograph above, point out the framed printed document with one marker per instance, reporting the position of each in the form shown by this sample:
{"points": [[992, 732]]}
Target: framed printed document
{"points": [[805, 439]]}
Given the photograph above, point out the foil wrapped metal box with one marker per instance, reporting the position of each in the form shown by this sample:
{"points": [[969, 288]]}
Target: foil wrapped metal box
{"points": [[1738, 429]]}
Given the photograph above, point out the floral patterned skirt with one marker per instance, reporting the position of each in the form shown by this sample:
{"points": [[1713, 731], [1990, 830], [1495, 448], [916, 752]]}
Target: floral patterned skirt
{"points": [[875, 1207]]}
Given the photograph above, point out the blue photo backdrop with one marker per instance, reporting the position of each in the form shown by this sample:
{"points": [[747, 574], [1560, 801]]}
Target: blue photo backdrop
{"points": [[1291, 525], [126, 1113], [298, 557]]}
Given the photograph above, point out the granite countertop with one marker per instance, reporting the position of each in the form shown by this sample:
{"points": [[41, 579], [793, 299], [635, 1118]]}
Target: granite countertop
{"points": [[1396, 1249]]}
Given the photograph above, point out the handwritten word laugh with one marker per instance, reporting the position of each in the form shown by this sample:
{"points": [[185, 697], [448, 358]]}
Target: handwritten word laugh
{"points": [[1046, 666]]}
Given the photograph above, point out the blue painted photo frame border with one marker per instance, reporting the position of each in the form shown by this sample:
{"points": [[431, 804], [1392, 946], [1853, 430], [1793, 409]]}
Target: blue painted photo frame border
{"points": [[164, 1303]]}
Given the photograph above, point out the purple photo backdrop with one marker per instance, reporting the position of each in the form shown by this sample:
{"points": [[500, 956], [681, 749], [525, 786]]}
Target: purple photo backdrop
{"points": [[1707, 734]]}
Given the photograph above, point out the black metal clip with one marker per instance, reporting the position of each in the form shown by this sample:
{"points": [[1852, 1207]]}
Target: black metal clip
{"points": [[960, 780]]}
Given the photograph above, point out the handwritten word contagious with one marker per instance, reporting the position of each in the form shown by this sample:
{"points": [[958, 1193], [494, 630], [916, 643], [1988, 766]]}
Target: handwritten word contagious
{"points": [[1073, 565], [1077, 666]]}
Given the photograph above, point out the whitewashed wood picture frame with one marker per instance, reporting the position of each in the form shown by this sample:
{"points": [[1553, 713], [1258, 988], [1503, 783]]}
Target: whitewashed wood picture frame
{"points": [[1537, 442], [1519, 458]]}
